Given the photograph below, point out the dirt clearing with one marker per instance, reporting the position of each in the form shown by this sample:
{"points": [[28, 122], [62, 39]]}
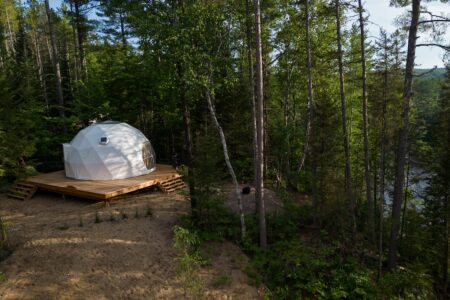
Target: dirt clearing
{"points": [[77, 249]]}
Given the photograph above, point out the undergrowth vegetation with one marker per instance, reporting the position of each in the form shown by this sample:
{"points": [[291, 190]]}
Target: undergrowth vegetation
{"points": [[303, 261]]}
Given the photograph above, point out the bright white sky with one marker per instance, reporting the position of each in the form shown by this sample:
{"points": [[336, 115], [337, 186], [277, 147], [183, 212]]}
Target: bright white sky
{"points": [[382, 14]]}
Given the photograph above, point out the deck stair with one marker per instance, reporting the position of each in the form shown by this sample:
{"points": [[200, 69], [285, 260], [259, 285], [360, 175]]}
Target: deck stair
{"points": [[22, 191], [171, 185]]}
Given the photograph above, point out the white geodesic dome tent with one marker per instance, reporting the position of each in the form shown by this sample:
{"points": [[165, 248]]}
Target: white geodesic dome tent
{"points": [[108, 150]]}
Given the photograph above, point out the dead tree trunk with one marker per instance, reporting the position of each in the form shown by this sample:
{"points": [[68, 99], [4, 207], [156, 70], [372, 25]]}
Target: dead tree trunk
{"points": [[259, 176], [212, 110], [55, 61], [348, 176], [403, 136]]}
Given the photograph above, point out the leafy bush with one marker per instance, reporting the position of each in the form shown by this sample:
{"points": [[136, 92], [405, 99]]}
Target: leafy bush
{"points": [[406, 283], [186, 244], [293, 270]]}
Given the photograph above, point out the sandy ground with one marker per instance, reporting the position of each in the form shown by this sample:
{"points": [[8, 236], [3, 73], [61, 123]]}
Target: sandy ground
{"points": [[125, 258]]}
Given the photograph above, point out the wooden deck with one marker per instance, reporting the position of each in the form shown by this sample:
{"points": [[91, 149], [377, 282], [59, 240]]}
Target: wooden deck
{"points": [[100, 190]]}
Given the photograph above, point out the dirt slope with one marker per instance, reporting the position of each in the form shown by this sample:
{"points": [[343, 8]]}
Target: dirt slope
{"points": [[128, 258]]}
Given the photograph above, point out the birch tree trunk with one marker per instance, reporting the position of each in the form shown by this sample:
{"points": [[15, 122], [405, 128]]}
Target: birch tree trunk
{"points": [[403, 136], [259, 176], [212, 110], [55, 61], [348, 176]]}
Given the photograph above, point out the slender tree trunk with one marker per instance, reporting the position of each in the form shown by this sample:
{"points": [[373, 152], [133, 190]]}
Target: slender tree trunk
{"points": [[251, 86], [122, 29], [79, 35], [403, 136], [405, 199], [446, 206], [348, 176], [55, 61], [40, 66], [259, 180], [212, 110], [188, 143], [75, 42], [310, 87], [382, 163], [371, 216], [445, 258], [11, 35]]}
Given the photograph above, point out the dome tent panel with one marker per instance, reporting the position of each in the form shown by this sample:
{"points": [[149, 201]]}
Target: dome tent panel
{"points": [[108, 150]]}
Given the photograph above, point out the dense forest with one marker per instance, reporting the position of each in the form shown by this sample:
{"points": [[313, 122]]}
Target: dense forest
{"points": [[290, 96]]}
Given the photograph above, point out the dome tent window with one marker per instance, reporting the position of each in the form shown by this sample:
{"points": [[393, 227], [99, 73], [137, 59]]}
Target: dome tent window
{"points": [[147, 155], [128, 153], [104, 140]]}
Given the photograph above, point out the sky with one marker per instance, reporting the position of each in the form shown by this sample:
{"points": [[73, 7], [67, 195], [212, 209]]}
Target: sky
{"points": [[381, 14]]}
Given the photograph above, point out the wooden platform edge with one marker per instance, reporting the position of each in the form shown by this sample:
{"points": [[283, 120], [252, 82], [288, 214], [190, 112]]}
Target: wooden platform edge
{"points": [[98, 196]]}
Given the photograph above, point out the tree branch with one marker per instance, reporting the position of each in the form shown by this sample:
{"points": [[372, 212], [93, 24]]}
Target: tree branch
{"points": [[427, 72], [446, 48]]}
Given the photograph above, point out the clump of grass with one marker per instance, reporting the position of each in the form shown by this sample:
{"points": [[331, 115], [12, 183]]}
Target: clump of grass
{"points": [[124, 215], [3, 277], [149, 212], [63, 227], [221, 281], [97, 218]]}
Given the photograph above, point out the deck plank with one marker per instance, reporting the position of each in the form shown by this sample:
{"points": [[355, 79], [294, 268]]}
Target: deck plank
{"points": [[100, 189]]}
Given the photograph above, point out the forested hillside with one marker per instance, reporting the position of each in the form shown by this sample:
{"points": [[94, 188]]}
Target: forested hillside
{"points": [[292, 96]]}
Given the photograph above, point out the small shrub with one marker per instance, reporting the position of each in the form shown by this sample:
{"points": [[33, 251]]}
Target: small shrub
{"points": [[3, 277], [112, 218], [4, 243], [149, 211], [124, 215], [186, 244], [97, 218]]}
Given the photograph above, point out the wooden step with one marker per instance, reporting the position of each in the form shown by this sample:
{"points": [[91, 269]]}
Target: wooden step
{"points": [[22, 191], [171, 185]]}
